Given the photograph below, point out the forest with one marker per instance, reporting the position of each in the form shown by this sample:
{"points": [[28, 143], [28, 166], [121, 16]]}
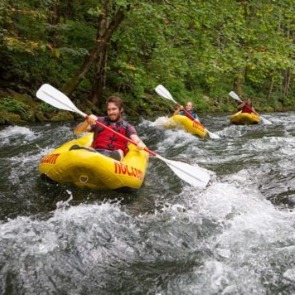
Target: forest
{"points": [[200, 50]]}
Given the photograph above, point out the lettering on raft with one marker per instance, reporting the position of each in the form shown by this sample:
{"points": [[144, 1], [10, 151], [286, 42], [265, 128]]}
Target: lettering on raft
{"points": [[124, 169], [196, 125], [50, 159]]}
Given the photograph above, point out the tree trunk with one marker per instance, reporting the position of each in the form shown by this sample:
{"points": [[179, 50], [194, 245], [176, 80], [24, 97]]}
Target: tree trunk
{"points": [[270, 87], [100, 64], [286, 82], [100, 78], [239, 82], [54, 37], [98, 52]]}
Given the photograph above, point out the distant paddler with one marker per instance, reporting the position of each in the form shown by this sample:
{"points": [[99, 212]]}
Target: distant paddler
{"points": [[188, 111], [247, 107]]}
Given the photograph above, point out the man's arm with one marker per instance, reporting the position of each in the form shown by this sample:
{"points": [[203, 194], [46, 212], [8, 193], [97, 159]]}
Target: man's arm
{"points": [[138, 141], [179, 108], [241, 105], [86, 125]]}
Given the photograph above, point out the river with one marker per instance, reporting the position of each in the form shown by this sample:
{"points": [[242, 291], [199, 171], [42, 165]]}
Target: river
{"points": [[236, 236]]}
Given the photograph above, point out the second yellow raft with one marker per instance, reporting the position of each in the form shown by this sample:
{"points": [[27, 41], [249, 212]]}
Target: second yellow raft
{"points": [[193, 127]]}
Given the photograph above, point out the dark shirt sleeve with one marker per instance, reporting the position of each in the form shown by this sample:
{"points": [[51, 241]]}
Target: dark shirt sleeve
{"points": [[130, 130]]}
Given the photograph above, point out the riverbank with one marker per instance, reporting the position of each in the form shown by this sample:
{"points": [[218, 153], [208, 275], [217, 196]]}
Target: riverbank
{"points": [[23, 107]]}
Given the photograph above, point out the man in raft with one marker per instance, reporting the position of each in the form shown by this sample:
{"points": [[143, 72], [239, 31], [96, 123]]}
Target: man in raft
{"points": [[246, 107], [105, 141], [188, 108]]}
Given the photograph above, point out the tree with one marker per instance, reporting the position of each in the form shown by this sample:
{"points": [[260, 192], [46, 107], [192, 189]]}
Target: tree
{"points": [[106, 27]]}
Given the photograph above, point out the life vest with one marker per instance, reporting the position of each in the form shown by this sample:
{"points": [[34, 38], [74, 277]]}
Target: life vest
{"points": [[247, 109], [192, 114], [106, 140]]}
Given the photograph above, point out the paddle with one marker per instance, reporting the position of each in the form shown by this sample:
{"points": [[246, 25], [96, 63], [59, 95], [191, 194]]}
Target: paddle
{"points": [[233, 95], [193, 175], [163, 92]]}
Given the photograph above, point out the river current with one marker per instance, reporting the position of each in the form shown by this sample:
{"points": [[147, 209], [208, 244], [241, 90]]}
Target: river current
{"points": [[236, 236]]}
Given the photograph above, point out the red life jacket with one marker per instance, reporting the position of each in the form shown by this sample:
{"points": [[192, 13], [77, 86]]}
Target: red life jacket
{"points": [[247, 109], [107, 140]]}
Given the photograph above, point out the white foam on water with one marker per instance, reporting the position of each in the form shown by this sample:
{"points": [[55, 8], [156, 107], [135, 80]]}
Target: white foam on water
{"points": [[248, 238], [231, 131], [15, 130], [73, 243], [229, 233], [23, 165], [289, 274], [177, 138], [270, 144], [16, 135], [159, 122]]}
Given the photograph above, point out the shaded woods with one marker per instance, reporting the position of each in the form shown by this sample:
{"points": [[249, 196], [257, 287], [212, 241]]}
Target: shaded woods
{"points": [[198, 49]]}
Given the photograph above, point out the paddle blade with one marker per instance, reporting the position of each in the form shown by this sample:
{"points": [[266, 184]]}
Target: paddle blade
{"points": [[265, 121], [54, 97], [233, 95], [194, 175], [163, 92], [212, 135]]}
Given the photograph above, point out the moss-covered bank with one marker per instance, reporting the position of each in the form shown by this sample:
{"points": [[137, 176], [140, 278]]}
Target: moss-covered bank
{"points": [[21, 108]]}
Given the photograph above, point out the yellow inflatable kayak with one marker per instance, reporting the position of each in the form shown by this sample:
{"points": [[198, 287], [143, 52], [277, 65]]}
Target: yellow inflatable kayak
{"points": [[90, 169], [244, 118], [180, 121]]}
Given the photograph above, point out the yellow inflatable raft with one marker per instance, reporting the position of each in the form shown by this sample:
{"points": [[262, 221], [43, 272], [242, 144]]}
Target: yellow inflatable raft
{"points": [[90, 169], [244, 118], [180, 121]]}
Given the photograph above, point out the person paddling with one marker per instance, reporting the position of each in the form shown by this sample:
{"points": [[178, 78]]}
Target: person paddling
{"points": [[246, 107], [189, 108], [105, 141]]}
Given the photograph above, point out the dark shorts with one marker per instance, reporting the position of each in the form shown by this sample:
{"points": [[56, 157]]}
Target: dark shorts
{"points": [[112, 154]]}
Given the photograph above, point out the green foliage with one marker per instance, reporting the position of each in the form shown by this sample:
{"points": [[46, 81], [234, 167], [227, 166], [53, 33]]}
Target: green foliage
{"points": [[196, 49], [47, 108], [12, 105]]}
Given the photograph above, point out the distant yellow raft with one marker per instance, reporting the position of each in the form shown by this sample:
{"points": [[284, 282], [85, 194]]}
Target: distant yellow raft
{"points": [[244, 118], [179, 121], [90, 169]]}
